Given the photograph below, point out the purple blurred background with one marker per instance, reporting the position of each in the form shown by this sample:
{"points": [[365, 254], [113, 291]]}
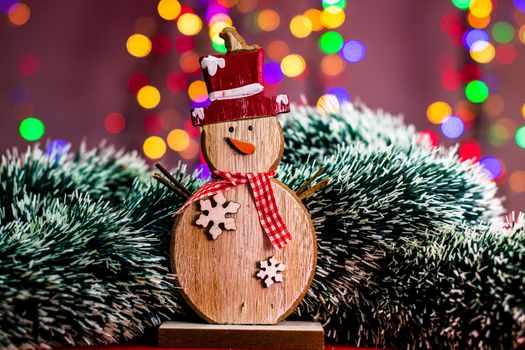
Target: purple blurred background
{"points": [[67, 65]]}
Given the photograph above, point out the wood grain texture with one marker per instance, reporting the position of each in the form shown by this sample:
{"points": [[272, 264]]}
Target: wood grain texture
{"points": [[218, 277], [285, 335], [266, 135]]}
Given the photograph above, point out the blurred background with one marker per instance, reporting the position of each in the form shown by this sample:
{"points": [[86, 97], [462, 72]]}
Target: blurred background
{"points": [[127, 71]]}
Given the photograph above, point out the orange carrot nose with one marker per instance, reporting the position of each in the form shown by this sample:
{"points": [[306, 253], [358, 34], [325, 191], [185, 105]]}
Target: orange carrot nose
{"points": [[241, 146]]}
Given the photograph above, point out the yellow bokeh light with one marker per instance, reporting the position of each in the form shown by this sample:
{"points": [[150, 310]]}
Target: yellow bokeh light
{"points": [[178, 139], [523, 111], [221, 17], [154, 147], [332, 65], [169, 9], [189, 24], [191, 151], [332, 17], [481, 8], [277, 49], [197, 91], [328, 104], [19, 14], [478, 22], [138, 45], [521, 34], [482, 52], [300, 26], [148, 97], [293, 65], [517, 181], [314, 15], [268, 20], [438, 111], [215, 30]]}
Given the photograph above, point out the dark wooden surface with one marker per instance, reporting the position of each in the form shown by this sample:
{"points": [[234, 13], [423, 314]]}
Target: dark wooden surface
{"points": [[290, 335]]}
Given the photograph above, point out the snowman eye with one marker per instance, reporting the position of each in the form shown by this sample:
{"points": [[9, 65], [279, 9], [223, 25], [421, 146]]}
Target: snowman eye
{"points": [[250, 127], [231, 129]]}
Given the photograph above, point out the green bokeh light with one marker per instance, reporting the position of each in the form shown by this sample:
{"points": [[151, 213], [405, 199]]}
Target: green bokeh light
{"points": [[32, 129], [520, 137], [331, 42], [477, 91], [503, 32], [338, 3], [462, 4], [220, 48], [498, 135]]}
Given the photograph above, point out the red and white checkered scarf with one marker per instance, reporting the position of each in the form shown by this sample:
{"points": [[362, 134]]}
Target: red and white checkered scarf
{"points": [[271, 221]]}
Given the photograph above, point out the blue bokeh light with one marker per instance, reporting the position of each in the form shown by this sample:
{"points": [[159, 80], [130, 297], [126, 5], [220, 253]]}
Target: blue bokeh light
{"points": [[353, 51], [452, 127], [492, 167], [272, 73]]}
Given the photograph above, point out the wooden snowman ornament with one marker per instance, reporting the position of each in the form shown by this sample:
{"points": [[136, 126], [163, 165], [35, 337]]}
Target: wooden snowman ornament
{"points": [[243, 246]]}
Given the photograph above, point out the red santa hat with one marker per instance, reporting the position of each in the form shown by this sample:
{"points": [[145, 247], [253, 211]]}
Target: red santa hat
{"points": [[235, 85]]}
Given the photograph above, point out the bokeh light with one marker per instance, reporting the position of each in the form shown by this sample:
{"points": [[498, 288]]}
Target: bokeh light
{"points": [[178, 140], [340, 92], [481, 8], [168, 9], [462, 4], [517, 181], [32, 129], [330, 42], [114, 123], [184, 43], [154, 147], [277, 49], [189, 62], [28, 65], [338, 3], [493, 105], [499, 134], [353, 51], [153, 123], [520, 136], [191, 151], [328, 104], [293, 65], [197, 91], [523, 110], [491, 167], [438, 111], [148, 97], [476, 91], [506, 54], [268, 20], [519, 4], [19, 14], [189, 24], [161, 44], [452, 127], [429, 135], [503, 32], [474, 35], [332, 65], [314, 15], [478, 22], [469, 150], [138, 45], [272, 73], [482, 52], [177, 81], [300, 26], [332, 17], [136, 81]]}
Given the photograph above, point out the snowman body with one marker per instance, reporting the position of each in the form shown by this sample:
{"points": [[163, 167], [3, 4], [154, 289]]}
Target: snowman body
{"points": [[223, 271], [218, 277]]}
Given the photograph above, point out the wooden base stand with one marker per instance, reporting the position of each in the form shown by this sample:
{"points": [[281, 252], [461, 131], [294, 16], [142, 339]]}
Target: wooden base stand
{"points": [[291, 335]]}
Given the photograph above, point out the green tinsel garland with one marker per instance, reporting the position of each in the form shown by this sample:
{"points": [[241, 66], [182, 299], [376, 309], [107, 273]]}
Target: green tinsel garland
{"points": [[402, 263]]}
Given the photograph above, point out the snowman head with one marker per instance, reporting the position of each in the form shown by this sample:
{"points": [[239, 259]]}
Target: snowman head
{"points": [[240, 130], [247, 145]]}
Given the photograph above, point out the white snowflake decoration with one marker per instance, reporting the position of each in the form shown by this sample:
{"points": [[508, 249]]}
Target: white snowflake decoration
{"points": [[216, 215], [211, 63], [270, 271]]}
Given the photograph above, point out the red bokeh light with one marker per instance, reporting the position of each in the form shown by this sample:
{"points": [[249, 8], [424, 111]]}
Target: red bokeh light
{"points": [[177, 81], [470, 72], [28, 65], [470, 150], [506, 54], [153, 123], [184, 43], [161, 44], [432, 135], [114, 123], [451, 80], [136, 81]]}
